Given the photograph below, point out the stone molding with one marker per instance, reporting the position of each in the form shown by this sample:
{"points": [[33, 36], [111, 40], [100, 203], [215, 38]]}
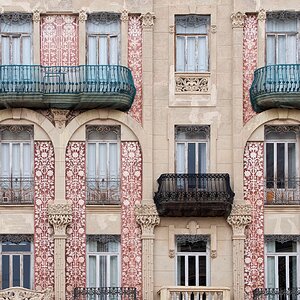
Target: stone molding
{"points": [[82, 17], [262, 15], [60, 216], [36, 15], [240, 217], [238, 19], [60, 117], [148, 20], [20, 293], [124, 15], [147, 217], [192, 83]]}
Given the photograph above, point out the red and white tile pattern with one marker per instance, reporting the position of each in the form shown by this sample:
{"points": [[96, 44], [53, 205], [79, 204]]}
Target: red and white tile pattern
{"points": [[249, 63], [59, 40], [135, 39], [254, 195], [43, 194], [131, 195], [76, 194]]}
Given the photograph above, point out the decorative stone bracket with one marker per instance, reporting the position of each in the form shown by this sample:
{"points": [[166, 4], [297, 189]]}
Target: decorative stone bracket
{"points": [[147, 217], [60, 216], [60, 117]]}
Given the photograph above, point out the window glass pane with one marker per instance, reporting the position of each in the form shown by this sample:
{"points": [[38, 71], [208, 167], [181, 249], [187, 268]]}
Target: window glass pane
{"points": [[92, 271], [26, 271], [291, 160], [280, 165], [181, 270], [293, 272], [16, 160], [271, 247], [5, 50], [191, 54], [5, 271], [26, 50], [92, 50], [102, 161], [291, 57], [289, 246], [114, 278], [102, 271], [202, 158], [271, 50], [270, 165], [16, 270], [180, 158], [26, 160], [11, 247], [202, 271], [191, 158], [271, 272], [5, 160], [282, 272], [180, 54], [202, 54], [91, 161], [192, 270], [113, 50], [113, 160], [281, 55], [188, 246], [16, 48], [103, 58]]}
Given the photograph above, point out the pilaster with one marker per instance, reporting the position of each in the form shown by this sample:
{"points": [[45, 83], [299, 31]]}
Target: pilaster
{"points": [[261, 41], [147, 217], [60, 216], [239, 218], [124, 37], [36, 36], [82, 34]]}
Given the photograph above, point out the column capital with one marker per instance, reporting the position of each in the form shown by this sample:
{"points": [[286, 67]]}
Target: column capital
{"points": [[262, 15], [124, 15], [147, 217], [36, 15], [60, 216], [60, 117], [148, 20], [238, 19], [82, 15], [240, 217]]}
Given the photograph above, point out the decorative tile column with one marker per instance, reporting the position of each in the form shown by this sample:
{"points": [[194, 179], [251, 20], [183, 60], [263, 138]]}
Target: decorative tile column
{"points": [[239, 218], [147, 217], [60, 216]]}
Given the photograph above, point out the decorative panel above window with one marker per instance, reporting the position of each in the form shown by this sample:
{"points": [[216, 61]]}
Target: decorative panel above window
{"points": [[103, 39], [16, 38]]}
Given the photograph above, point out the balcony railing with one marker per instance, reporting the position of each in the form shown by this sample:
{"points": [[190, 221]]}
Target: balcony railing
{"points": [[103, 191], [276, 294], [282, 191], [78, 87], [276, 86], [203, 195], [105, 293], [16, 190], [194, 293]]}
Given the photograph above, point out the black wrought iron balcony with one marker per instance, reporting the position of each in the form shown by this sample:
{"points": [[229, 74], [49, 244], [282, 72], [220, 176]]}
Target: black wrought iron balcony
{"points": [[276, 294], [16, 190], [103, 191], [276, 86], [66, 87], [194, 195], [284, 191], [118, 293]]}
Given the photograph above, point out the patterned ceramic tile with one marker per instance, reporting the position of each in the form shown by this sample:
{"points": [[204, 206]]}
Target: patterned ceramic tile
{"points": [[131, 193], [59, 40], [44, 192], [254, 195], [249, 63], [76, 241], [135, 39]]}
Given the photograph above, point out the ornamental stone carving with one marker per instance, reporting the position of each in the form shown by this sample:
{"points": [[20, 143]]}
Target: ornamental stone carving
{"points": [[171, 29], [148, 20], [59, 117], [20, 293], [191, 84], [240, 217], [82, 17], [36, 15], [238, 19], [124, 15], [262, 15], [60, 216], [147, 217], [213, 28]]}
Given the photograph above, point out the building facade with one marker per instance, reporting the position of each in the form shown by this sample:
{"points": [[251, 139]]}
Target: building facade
{"points": [[149, 149]]}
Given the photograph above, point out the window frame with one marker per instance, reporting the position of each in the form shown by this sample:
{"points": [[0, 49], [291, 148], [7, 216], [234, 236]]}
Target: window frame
{"points": [[107, 255], [21, 254], [186, 35]]}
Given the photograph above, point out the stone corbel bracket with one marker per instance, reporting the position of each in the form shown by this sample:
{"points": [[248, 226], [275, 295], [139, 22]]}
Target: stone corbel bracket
{"points": [[147, 217], [240, 217], [60, 117], [238, 19], [60, 216]]}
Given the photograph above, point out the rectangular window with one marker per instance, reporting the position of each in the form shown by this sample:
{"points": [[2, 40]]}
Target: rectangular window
{"points": [[282, 257], [103, 164], [281, 41], [16, 263], [192, 260], [103, 261], [192, 53], [16, 39], [16, 158], [191, 149], [103, 39]]}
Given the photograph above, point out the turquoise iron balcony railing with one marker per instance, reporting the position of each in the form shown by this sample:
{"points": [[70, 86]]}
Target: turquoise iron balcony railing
{"points": [[66, 87], [276, 86]]}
